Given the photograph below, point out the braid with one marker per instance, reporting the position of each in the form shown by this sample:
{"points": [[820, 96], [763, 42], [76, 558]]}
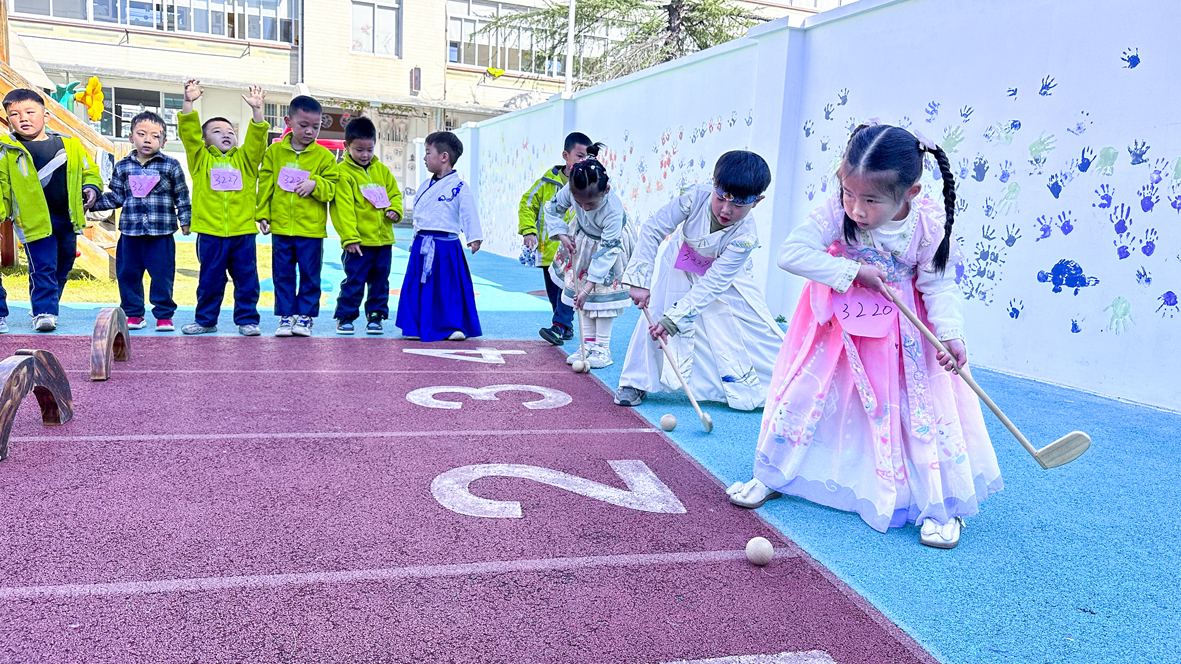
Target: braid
{"points": [[589, 171], [941, 254]]}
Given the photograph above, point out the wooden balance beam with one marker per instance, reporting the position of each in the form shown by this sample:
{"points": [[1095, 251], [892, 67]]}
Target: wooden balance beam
{"points": [[111, 341], [40, 372]]}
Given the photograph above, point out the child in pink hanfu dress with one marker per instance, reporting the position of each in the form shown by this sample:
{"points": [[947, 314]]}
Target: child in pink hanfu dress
{"points": [[860, 417]]}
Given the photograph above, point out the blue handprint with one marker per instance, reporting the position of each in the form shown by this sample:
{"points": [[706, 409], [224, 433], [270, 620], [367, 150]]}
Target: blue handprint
{"points": [[807, 129], [807, 165], [1012, 92], [1055, 185], [828, 109], [1124, 245], [1075, 326], [1105, 193], [932, 111], [966, 113], [904, 122], [961, 205], [1084, 162], [1012, 233], [1158, 171], [810, 190], [1038, 163], [1048, 84], [1148, 197], [851, 124], [979, 168], [1131, 58], [1143, 277], [990, 209], [1138, 150], [1044, 226], [1121, 217], [964, 168], [1065, 223], [750, 117], [824, 184], [1015, 308], [843, 97], [824, 144], [990, 134], [1006, 171], [1175, 200], [1149, 244], [1168, 302], [733, 118], [1080, 125]]}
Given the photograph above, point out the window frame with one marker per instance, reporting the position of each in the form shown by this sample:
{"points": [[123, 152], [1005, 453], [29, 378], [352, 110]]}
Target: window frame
{"points": [[397, 7]]}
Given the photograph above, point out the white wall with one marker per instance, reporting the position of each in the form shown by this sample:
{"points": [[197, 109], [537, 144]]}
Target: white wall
{"points": [[895, 59]]}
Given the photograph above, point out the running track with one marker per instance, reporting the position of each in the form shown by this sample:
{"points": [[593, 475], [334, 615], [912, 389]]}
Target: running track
{"points": [[228, 499]]}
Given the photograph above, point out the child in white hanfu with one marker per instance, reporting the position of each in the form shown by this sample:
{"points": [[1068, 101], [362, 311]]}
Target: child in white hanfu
{"points": [[712, 315], [595, 249], [862, 414]]}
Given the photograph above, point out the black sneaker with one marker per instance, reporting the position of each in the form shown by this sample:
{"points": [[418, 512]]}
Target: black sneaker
{"points": [[555, 335], [344, 327], [629, 396], [568, 334]]}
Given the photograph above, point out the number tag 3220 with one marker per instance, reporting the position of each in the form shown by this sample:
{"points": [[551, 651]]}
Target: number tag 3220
{"points": [[864, 313]]}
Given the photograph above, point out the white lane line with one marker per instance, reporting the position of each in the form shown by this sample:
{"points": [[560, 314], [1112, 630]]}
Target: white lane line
{"points": [[809, 657], [369, 575], [325, 435]]}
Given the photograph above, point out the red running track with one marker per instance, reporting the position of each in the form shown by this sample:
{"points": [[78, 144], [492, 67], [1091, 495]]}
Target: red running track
{"points": [[270, 500]]}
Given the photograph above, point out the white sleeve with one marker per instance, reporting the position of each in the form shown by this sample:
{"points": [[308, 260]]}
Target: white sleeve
{"points": [[652, 233], [469, 216], [805, 253], [719, 277], [610, 245], [555, 212], [943, 299]]}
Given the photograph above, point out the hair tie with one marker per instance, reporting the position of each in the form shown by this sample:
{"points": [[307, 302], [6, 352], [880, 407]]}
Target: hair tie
{"points": [[924, 142]]}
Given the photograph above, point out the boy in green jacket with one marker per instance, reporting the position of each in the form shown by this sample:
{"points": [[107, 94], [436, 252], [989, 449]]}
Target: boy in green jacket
{"points": [[367, 205], [296, 182], [224, 178], [532, 227], [47, 181]]}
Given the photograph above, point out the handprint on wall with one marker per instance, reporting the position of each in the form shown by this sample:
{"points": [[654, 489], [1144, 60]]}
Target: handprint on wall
{"points": [[1138, 149], [1065, 222], [1131, 58], [808, 129], [1085, 159], [1121, 218], [1106, 163], [1048, 84], [1006, 171], [1148, 197], [932, 111], [966, 114], [1012, 234], [1081, 124], [1158, 171], [843, 97], [979, 168]]}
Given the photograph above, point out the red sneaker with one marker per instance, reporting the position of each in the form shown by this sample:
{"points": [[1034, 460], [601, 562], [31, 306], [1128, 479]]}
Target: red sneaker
{"points": [[164, 325], [136, 322]]}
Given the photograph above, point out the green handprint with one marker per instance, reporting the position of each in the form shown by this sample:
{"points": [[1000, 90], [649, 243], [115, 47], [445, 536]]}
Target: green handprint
{"points": [[1041, 146], [952, 137], [1106, 163], [1121, 313], [1009, 202], [1005, 132], [1177, 171]]}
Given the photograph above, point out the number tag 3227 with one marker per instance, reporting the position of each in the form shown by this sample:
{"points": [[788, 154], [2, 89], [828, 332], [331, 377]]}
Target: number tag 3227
{"points": [[864, 313]]}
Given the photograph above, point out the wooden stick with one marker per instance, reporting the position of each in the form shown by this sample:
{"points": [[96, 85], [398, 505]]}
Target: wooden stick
{"points": [[705, 419]]}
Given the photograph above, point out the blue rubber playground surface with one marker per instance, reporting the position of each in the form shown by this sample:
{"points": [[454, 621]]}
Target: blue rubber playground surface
{"points": [[1077, 564]]}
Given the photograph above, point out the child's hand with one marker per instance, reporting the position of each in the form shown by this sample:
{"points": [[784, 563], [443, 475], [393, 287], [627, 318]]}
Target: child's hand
{"points": [[567, 245], [353, 248], [256, 98], [193, 90], [305, 188], [658, 333], [580, 297], [640, 296], [530, 241], [957, 348], [874, 279], [474, 245], [89, 198], [393, 216], [184, 230], [264, 226]]}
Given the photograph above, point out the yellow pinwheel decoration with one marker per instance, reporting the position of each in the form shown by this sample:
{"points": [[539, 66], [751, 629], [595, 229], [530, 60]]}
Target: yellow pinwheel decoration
{"points": [[92, 98]]}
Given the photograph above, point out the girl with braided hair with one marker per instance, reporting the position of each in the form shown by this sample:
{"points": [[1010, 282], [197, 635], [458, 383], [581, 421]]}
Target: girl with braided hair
{"points": [[861, 417], [594, 252]]}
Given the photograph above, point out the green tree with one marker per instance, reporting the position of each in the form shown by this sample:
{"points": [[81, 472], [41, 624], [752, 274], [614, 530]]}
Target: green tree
{"points": [[652, 32]]}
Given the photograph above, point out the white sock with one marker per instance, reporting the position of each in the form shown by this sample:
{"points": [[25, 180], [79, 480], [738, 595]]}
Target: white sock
{"points": [[603, 331]]}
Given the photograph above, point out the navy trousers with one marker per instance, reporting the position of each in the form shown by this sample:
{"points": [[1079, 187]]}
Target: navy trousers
{"points": [[563, 313], [287, 252], [237, 257], [44, 288], [66, 239], [157, 255], [370, 268], [3, 301]]}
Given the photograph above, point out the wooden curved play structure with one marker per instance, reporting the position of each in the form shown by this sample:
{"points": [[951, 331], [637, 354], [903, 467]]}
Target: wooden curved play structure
{"points": [[40, 372], [111, 341]]}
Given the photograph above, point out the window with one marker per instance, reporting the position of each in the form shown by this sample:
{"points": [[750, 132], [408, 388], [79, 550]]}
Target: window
{"points": [[377, 28], [269, 20]]}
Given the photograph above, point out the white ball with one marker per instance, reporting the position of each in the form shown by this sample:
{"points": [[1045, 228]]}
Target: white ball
{"points": [[579, 366], [668, 422], [759, 551]]}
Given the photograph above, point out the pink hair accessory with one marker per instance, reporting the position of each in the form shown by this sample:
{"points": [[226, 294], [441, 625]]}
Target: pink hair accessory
{"points": [[924, 140]]}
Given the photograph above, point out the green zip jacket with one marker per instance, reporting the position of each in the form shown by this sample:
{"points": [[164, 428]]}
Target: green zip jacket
{"points": [[286, 211], [531, 214], [222, 213], [353, 216], [24, 199]]}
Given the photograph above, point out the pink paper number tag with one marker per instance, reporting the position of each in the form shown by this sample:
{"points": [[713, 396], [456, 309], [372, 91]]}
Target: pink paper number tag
{"points": [[225, 179], [688, 260], [377, 196], [141, 185], [290, 178], [864, 313]]}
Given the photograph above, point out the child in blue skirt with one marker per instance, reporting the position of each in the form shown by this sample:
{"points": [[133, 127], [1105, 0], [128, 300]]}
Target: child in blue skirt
{"points": [[438, 300]]}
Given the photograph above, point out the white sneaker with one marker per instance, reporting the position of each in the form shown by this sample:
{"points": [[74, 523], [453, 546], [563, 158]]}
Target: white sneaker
{"points": [[45, 322], [577, 355], [941, 535], [285, 325], [598, 356], [457, 336], [3, 325], [302, 327], [750, 495]]}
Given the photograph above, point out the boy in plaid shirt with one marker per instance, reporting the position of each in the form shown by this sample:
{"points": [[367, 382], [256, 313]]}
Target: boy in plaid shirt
{"points": [[150, 187]]}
